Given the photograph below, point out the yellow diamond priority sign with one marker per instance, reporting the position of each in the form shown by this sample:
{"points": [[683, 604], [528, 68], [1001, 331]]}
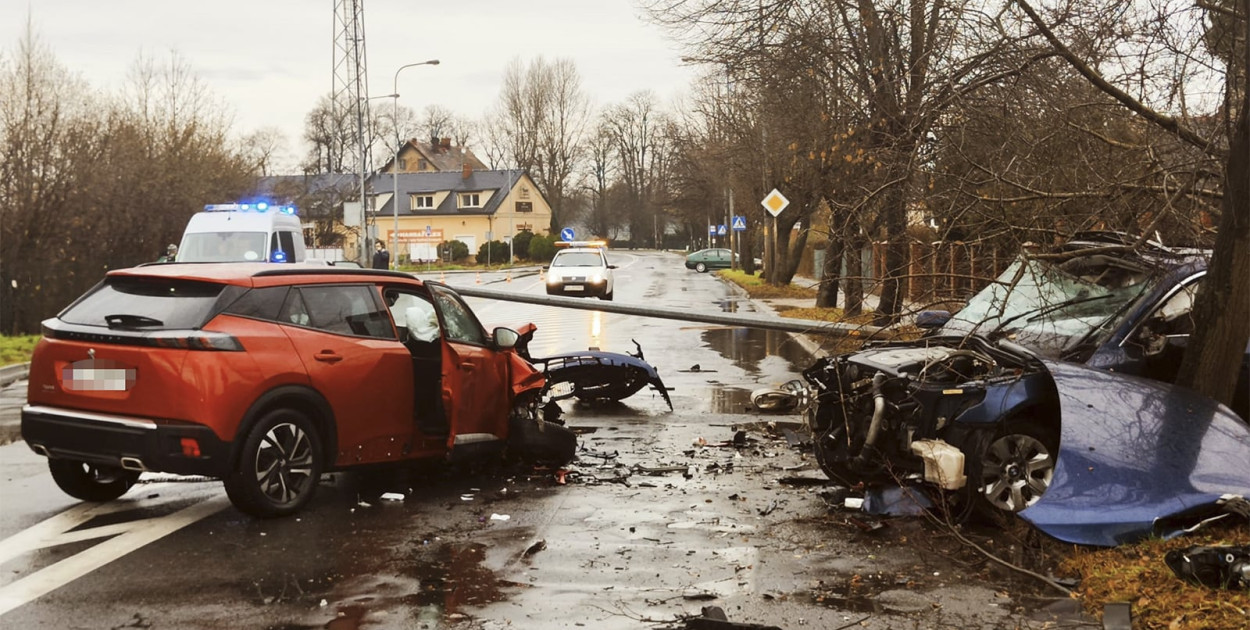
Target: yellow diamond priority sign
{"points": [[775, 202]]}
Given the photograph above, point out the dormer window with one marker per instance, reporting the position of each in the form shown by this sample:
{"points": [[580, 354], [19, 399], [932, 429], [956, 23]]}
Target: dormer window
{"points": [[421, 202], [470, 200]]}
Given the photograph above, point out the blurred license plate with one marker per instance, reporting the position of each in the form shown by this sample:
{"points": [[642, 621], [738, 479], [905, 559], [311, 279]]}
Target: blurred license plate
{"points": [[97, 376], [573, 287]]}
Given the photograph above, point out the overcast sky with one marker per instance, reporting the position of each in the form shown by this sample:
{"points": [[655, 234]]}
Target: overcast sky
{"points": [[269, 60]]}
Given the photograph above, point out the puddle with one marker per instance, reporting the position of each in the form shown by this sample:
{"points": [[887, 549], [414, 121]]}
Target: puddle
{"points": [[454, 579], [747, 348], [728, 400], [735, 304]]}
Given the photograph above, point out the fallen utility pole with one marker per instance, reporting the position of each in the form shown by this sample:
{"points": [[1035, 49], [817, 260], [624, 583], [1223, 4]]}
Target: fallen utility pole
{"points": [[783, 324]]}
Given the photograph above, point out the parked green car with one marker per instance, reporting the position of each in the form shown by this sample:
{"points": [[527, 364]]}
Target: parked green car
{"points": [[704, 259]]}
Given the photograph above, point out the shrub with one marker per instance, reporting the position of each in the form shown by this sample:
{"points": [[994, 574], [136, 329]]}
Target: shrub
{"points": [[521, 244], [494, 252], [459, 251], [542, 248]]}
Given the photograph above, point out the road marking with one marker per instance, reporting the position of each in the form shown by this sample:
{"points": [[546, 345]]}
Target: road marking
{"points": [[127, 537]]}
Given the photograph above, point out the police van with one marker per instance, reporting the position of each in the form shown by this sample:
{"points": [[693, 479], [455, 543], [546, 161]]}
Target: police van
{"points": [[239, 232]]}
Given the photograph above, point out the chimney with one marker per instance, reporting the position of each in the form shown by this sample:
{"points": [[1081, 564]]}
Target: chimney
{"points": [[467, 171], [434, 143], [445, 143]]}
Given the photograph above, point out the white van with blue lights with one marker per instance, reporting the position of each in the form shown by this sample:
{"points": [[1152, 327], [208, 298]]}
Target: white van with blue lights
{"points": [[243, 232]]}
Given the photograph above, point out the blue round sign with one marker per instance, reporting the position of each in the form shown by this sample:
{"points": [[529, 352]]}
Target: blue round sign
{"points": [[566, 234]]}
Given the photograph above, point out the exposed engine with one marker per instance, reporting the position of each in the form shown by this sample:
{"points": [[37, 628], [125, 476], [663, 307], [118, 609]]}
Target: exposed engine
{"points": [[880, 412]]}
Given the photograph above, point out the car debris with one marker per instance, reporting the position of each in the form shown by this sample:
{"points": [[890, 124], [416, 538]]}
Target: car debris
{"points": [[593, 375], [790, 396], [714, 618], [1226, 567]]}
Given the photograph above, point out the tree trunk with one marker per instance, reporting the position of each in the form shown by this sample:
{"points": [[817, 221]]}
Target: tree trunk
{"points": [[1218, 346], [854, 281], [827, 293]]}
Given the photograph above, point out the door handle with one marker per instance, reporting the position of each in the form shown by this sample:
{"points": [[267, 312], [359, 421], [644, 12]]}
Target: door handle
{"points": [[466, 366], [328, 356]]}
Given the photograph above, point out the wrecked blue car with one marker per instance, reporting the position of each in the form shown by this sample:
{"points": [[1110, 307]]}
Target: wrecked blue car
{"points": [[1087, 456], [1103, 300]]}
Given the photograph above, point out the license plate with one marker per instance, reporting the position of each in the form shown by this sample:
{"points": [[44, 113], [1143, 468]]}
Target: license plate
{"points": [[97, 376], [573, 287]]}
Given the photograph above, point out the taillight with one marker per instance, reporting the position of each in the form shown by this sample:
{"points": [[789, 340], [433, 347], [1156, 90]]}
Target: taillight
{"points": [[195, 340]]}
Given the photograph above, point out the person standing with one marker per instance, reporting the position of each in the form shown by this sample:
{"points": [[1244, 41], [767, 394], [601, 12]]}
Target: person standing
{"points": [[381, 257]]}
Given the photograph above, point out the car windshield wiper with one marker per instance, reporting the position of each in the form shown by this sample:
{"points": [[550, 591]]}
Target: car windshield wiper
{"points": [[131, 321], [1036, 313]]}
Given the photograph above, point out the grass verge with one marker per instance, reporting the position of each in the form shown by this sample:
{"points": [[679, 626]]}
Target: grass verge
{"points": [[16, 349]]}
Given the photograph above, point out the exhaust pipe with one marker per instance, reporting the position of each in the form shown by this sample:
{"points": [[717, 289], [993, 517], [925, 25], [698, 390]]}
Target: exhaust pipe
{"points": [[40, 449], [133, 463]]}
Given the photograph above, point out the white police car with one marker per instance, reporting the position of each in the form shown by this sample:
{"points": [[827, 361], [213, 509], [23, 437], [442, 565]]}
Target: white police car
{"points": [[582, 269]]}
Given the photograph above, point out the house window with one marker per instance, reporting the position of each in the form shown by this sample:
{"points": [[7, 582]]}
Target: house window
{"points": [[423, 165], [470, 200], [421, 202], [403, 164]]}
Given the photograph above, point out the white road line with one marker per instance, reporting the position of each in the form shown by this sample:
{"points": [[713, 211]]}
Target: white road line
{"points": [[52, 577]]}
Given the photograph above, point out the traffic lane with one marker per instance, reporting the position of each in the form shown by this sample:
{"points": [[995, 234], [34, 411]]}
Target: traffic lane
{"points": [[715, 374], [675, 520]]}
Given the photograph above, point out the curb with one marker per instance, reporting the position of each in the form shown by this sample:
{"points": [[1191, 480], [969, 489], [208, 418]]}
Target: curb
{"points": [[10, 374]]}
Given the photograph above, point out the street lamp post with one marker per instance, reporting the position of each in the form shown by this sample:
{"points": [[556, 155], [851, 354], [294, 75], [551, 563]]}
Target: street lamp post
{"points": [[395, 163]]}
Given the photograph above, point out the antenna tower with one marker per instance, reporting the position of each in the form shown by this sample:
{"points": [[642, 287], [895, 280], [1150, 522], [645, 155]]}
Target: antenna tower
{"points": [[350, 100]]}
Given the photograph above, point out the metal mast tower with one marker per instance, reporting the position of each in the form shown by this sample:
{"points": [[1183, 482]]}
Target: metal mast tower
{"points": [[350, 98]]}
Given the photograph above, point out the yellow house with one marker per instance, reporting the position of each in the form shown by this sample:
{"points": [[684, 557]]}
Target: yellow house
{"points": [[439, 154], [471, 206]]}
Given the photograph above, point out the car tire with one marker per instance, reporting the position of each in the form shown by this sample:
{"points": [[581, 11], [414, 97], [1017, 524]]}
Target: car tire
{"points": [[534, 440], [1013, 468], [91, 482], [701, 267], [278, 467]]}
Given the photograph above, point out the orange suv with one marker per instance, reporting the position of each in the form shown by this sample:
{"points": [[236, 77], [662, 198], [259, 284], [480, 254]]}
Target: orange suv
{"points": [[267, 376]]}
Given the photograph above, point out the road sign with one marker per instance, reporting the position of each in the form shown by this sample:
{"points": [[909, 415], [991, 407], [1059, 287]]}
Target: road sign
{"points": [[775, 202], [428, 230], [567, 235], [740, 224], [711, 229], [720, 230]]}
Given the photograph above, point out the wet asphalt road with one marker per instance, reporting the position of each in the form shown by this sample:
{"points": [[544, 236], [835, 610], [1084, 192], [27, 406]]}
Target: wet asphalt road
{"points": [[661, 515]]}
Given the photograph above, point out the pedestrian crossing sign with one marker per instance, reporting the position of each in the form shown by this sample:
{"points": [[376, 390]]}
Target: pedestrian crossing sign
{"points": [[739, 224]]}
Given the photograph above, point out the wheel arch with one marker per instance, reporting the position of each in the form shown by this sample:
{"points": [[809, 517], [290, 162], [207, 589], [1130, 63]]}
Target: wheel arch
{"points": [[300, 398]]}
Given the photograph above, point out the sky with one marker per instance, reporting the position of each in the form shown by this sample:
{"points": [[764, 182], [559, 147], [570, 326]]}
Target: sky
{"points": [[268, 61]]}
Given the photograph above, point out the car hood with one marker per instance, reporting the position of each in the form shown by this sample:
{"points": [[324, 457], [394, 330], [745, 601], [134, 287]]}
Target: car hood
{"points": [[1138, 458]]}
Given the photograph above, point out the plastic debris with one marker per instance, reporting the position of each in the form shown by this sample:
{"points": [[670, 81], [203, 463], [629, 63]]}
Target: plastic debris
{"points": [[392, 496], [499, 517]]}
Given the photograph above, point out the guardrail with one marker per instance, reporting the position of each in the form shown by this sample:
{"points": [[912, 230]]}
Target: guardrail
{"points": [[783, 324]]}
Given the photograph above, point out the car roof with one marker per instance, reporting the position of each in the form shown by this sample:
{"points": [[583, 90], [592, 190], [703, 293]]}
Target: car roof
{"points": [[595, 250], [259, 274]]}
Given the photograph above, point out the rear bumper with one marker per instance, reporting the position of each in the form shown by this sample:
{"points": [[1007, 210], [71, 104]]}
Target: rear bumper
{"points": [[112, 440]]}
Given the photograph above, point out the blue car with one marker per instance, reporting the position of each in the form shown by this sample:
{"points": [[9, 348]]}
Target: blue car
{"points": [[1047, 396]]}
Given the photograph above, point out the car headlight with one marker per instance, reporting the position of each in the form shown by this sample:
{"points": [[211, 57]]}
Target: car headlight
{"points": [[553, 279], [597, 278]]}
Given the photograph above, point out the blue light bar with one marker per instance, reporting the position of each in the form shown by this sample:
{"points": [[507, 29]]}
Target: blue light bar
{"points": [[249, 207]]}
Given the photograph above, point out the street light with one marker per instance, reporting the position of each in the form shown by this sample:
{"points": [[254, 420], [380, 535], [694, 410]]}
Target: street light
{"points": [[395, 163]]}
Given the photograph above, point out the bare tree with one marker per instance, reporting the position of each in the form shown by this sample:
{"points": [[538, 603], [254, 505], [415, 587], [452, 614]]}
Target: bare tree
{"points": [[260, 148], [1223, 306], [542, 115]]}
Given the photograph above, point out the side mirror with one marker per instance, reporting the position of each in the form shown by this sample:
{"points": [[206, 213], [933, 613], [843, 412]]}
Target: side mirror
{"points": [[931, 320], [546, 267], [611, 266], [506, 338]]}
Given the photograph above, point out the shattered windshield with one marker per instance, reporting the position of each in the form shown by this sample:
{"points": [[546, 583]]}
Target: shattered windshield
{"points": [[1049, 307]]}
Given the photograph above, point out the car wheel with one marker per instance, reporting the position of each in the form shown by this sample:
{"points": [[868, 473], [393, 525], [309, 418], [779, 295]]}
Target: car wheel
{"points": [[701, 267], [91, 482], [606, 296], [532, 439], [278, 467], [1015, 468]]}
